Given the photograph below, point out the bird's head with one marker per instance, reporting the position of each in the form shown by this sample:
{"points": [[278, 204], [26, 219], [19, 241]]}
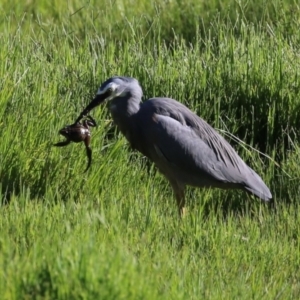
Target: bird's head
{"points": [[114, 87]]}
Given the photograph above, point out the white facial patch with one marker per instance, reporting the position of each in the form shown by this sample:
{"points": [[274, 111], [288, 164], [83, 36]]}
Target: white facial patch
{"points": [[112, 85]]}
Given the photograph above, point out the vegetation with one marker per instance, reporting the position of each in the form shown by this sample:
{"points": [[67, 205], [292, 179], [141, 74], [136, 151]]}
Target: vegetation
{"points": [[114, 233]]}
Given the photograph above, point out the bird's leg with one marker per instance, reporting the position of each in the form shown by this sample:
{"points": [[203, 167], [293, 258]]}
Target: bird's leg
{"points": [[180, 197]]}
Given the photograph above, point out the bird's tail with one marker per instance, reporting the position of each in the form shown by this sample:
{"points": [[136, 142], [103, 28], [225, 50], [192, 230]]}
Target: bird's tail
{"points": [[257, 187]]}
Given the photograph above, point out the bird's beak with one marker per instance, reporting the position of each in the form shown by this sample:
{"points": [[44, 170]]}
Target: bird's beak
{"points": [[95, 102]]}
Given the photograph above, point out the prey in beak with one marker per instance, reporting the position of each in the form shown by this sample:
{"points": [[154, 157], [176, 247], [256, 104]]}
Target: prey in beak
{"points": [[77, 133]]}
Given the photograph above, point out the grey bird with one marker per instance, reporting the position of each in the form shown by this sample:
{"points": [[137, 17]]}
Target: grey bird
{"points": [[185, 148]]}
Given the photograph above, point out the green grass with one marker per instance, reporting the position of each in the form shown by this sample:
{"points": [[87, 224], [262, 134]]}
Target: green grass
{"points": [[114, 233]]}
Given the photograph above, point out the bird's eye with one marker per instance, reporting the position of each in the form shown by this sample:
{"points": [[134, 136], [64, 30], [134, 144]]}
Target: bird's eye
{"points": [[109, 89]]}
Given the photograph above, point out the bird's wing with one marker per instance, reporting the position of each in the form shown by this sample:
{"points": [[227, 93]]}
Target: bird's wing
{"points": [[193, 145]]}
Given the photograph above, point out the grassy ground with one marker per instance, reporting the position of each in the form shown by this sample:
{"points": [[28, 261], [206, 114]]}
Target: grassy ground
{"points": [[113, 233]]}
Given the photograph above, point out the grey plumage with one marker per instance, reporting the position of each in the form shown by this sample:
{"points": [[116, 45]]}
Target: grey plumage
{"points": [[186, 149]]}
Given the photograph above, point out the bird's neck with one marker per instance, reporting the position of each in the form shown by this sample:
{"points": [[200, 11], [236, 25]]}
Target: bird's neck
{"points": [[123, 112], [124, 107]]}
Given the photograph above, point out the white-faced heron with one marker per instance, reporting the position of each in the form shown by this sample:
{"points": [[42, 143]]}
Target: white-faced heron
{"points": [[185, 149]]}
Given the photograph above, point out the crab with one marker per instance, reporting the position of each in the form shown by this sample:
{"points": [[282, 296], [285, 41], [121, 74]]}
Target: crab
{"points": [[78, 132]]}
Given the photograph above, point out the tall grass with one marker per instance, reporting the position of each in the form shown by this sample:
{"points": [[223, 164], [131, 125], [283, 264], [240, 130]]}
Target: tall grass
{"points": [[111, 19], [113, 233]]}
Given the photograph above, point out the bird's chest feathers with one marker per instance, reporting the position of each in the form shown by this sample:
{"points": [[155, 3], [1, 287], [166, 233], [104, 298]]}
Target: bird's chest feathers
{"points": [[120, 117], [125, 123], [124, 112]]}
